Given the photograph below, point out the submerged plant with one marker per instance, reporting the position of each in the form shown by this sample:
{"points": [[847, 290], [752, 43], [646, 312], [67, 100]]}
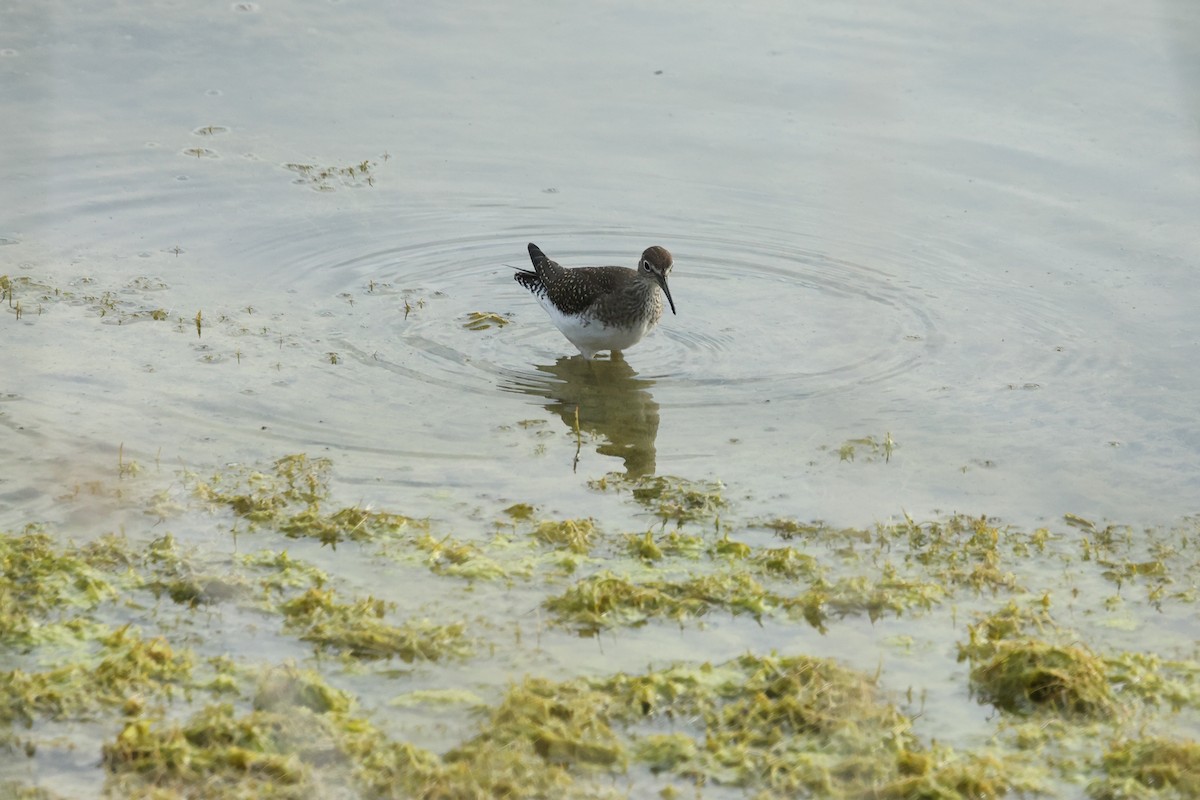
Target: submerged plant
{"points": [[358, 629], [670, 498], [1149, 767], [1025, 675], [482, 320], [291, 500]]}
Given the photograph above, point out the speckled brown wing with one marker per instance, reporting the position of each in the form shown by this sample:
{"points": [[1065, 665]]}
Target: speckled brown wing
{"points": [[575, 290], [571, 291]]}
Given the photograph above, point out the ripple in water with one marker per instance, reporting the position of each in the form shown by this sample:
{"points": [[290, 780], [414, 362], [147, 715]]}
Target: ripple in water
{"points": [[758, 319]]}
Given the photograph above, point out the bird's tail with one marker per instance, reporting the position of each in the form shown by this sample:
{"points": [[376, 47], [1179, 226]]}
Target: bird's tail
{"points": [[527, 277], [535, 254]]}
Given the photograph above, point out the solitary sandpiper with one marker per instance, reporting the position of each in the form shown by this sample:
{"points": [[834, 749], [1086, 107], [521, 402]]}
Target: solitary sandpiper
{"points": [[601, 308]]}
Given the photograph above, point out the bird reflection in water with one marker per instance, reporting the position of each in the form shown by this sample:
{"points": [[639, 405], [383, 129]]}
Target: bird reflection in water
{"points": [[613, 403]]}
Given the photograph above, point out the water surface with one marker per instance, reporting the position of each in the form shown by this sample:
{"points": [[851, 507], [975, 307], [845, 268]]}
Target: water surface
{"points": [[969, 229]]}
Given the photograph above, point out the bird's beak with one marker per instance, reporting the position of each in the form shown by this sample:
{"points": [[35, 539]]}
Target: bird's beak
{"points": [[662, 281]]}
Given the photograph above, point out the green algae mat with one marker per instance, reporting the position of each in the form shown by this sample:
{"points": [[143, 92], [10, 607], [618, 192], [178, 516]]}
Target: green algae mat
{"points": [[243, 656]]}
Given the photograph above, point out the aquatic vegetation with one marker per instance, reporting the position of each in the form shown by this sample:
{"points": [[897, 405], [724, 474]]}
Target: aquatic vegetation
{"points": [[1174, 683], [290, 501], [482, 320], [353, 523], [784, 562], [519, 512], [562, 723], [1022, 674], [1023, 663], [670, 498], [784, 725], [126, 668], [1164, 562], [263, 497], [111, 553], [449, 556], [789, 529], [184, 581], [283, 572], [1025, 675], [116, 307], [962, 550], [328, 178], [260, 753], [959, 551], [791, 725], [576, 535], [867, 447], [45, 588], [726, 548], [358, 629], [16, 791], [943, 774], [177, 717], [1150, 767], [643, 547], [283, 688], [862, 594], [606, 600], [666, 752], [675, 544]]}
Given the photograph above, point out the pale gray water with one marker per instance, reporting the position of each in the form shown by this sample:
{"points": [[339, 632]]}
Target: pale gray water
{"points": [[973, 227]]}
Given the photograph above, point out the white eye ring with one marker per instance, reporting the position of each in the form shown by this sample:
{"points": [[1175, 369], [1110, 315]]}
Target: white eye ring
{"points": [[646, 266]]}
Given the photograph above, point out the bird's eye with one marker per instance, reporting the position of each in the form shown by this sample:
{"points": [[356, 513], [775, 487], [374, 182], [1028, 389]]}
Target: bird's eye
{"points": [[646, 266]]}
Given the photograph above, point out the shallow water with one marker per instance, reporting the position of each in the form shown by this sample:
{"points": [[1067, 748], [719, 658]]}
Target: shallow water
{"points": [[980, 242], [970, 229]]}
